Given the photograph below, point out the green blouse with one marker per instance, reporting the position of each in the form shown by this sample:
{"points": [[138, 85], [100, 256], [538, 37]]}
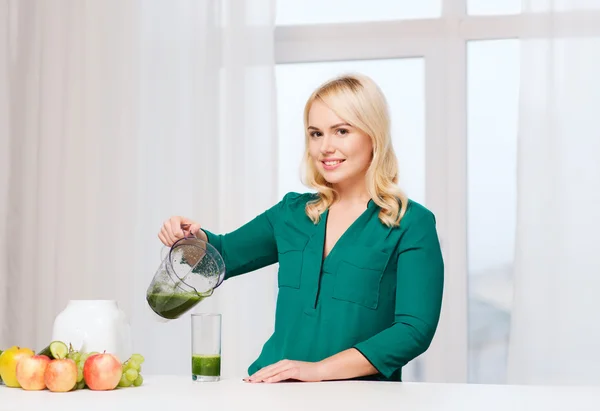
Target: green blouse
{"points": [[379, 290]]}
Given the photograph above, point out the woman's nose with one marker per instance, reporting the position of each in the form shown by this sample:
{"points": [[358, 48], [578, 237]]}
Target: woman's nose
{"points": [[326, 145]]}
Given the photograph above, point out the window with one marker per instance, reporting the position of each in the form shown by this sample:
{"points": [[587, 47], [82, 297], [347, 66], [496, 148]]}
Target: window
{"points": [[460, 81], [351, 11], [492, 95], [493, 8]]}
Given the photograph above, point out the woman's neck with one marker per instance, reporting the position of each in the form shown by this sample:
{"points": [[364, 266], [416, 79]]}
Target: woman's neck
{"points": [[352, 193]]}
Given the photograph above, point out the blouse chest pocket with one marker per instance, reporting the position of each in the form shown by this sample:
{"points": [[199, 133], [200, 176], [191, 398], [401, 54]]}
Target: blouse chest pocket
{"points": [[290, 254], [358, 276]]}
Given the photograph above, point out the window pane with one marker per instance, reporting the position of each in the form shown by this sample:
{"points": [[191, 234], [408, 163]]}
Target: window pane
{"points": [[493, 7], [545, 6], [493, 83], [346, 11], [401, 80]]}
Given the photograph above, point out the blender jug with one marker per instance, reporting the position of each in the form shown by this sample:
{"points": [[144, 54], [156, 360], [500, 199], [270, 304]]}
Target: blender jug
{"points": [[188, 273]]}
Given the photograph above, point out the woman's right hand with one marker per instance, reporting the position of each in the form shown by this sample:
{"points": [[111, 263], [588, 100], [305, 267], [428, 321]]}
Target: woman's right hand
{"points": [[176, 228]]}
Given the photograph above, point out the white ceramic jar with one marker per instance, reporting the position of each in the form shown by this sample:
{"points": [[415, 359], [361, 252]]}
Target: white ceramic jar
{"points": [[94, 325]]}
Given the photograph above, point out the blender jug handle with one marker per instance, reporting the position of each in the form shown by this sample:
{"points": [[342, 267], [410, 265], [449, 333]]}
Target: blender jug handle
{"points": [[164, 253], [186, 227]]}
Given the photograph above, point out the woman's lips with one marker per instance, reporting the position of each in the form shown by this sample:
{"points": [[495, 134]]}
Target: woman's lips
{"points": [[331, 164]]}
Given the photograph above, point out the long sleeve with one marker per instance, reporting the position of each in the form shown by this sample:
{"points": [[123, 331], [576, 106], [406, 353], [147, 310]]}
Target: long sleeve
{"points": [[420, 278], [250, 247]]}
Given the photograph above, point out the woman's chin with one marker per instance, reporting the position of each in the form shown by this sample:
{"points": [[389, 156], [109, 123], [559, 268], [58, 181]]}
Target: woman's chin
{"points": [[333, 178], [336, 178]]}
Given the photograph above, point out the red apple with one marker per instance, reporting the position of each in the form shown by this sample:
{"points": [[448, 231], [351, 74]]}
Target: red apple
{"points": [[61, 375], [102, 372], [30, 372]]}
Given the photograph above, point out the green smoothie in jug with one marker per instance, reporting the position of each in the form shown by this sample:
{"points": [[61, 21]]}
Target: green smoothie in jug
{"points": [[171, 306]]}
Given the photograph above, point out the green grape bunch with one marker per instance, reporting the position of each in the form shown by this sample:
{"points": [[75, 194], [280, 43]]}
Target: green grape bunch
{"points": [[79, 359], [132, 372]]}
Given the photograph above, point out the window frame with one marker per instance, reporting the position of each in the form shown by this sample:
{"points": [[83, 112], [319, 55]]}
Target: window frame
{"points": [[442, 43]]}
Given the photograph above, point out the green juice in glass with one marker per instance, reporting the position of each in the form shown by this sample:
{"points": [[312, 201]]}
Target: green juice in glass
{"points": [[206, 366]]}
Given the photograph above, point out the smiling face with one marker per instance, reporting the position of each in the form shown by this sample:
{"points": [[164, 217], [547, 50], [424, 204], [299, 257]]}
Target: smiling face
{"points": [[348, 152], [341, 153]]}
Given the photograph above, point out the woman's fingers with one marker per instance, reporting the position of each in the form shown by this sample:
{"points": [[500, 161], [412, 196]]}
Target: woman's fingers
{"points": [[270, 371], [288, 370], [175, 226], [165, 233], [163, 237], [282, 376], [166, 230], [194, 229], [262, 372]]}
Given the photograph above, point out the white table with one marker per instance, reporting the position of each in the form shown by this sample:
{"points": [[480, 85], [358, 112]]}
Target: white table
{"points": [[174, 393]]}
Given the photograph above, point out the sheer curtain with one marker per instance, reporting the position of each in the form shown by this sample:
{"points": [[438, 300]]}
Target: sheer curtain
{"points": [[207, 151], [69, 104], [555, 334], [115, 115]]}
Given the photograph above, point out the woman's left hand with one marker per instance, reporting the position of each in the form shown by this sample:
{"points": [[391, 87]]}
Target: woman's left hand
{"points": [[289, 370]]}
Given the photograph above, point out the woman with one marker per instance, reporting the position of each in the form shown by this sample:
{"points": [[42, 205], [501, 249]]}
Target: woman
{"points": [[360, 266]]}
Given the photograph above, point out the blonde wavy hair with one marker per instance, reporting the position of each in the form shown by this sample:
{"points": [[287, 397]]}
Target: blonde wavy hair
{"points": [[358, 101]]}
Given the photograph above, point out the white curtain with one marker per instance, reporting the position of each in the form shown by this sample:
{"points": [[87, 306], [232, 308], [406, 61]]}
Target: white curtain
{"points": [[4, 167], [67, 198], [115, 115], [555, 336]]}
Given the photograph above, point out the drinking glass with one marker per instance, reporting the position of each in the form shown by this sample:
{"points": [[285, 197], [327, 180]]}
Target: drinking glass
{"points": [[206, 347]]}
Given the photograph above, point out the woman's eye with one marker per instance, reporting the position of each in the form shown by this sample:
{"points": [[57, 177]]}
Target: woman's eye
{"points": [[343, 131], [315, 134]]}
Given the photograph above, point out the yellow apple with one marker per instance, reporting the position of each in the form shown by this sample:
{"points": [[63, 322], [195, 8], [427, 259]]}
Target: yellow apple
{"points": [[8, 364]]}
